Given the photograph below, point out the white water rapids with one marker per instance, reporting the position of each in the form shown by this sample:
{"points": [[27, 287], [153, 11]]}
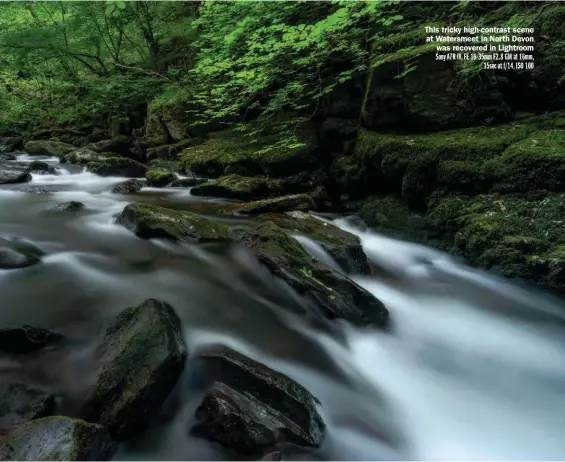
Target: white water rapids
{"points": [[473, 370]]}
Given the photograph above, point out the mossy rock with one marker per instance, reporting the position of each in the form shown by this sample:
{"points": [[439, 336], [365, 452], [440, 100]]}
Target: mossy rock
{"points": [[330, 293], [301, 202], [345, 248], [141, 358], [83, 156], [57, 438], [48, 148], [149, 222], [234, 187], [171, 151], [389, 212], [72, 206], [231, 149], [127, 187], [38, 166], [159, 178], [120, 145], [188, 182], [118, 166], [249, 407]]}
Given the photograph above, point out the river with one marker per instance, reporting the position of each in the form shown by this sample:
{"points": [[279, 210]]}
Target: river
{"points": [[473, 369]]}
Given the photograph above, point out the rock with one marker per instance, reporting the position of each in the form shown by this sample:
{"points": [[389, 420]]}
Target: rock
{"points": [[301, 202], [71, 206], [250, 407], [49, 189], [234, 187], [26, 339], [48, 148], [188, 182], [170, 151], [149, 221], [120, 145], [22, 401], [140, 360], [10, 143], [12, 259], [127, 187], [159, 178], [118, 166], [12, 173], [334, 294], [119, 126], [57, 438], [38, 166], [345, 248], [6, 157], [83, 156]]}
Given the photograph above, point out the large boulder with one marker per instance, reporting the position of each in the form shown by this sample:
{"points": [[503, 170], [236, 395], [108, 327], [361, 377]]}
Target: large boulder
{"points": [[10, 143], [159, 178], [26, 339], [83, 156], [171, 151], [249, 407], [22, 400], [345, 248], [328, 291], [234, 187], [48, 148], [188, 182], [141, 357], [118, 166], [120, 145], [14, 173], [38, 166], [127, 187], [301, 202], [149, 221], [57, 438]]}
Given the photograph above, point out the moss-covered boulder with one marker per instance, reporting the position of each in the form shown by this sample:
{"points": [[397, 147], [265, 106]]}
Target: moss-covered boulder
{"points": [[171, 151], [13, 173], [234, 187], [188, 182], [233, 150], [149, 221], [37, 166], [140, 359], [127, 187], [118, 166], [159, 178], [22, 400], [48, 148], [328, 291], [391, 213], [249, 407], [345, 248], [26, 339], [120, 145], [301, 202], [83, 156], [57, 438]]}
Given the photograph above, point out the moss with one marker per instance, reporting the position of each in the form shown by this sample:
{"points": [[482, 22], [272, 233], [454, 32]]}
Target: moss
{"points": [[389, 212], [234, 187], [301, 202], [159, 177]]}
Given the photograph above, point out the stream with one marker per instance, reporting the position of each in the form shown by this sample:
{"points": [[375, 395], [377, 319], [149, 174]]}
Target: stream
{"points": [[474, 368]]}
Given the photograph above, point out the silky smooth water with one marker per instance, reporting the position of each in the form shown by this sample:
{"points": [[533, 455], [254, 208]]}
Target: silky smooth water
{"points": [[473, 369]]}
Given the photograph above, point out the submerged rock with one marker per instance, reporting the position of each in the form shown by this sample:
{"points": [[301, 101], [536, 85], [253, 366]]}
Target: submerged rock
{"points": [[149, 221], [71, 206], [234, 187], [301, 202], [250, 407], [127, 187], [159, 178], [118, 166], [140, 360], [49, 189], [13, 173], [48, 148], [26, 339], [334, 294], [57, 438], [21, 400], [11, 258]]}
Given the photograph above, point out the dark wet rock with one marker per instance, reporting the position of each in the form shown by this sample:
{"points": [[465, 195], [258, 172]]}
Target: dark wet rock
{"points": [[13, 173], [127, 187], [188, 182], [287, 451], [120, 145], [6, 157], [149, 221], [234, 187], [26, 339], [250, 407], [170, 151], [334, 294], [345, 248], [159, 178], [140, 360], [21, 401], [49, 189], [83, 156], [302, 202], [71, 206], [118, 166], [57, 438], [11, 258], [48, 148], [37, 166], [10, 143]]}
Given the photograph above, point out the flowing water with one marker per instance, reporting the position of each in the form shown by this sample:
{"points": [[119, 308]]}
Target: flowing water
{"points": [[474, 368]]}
